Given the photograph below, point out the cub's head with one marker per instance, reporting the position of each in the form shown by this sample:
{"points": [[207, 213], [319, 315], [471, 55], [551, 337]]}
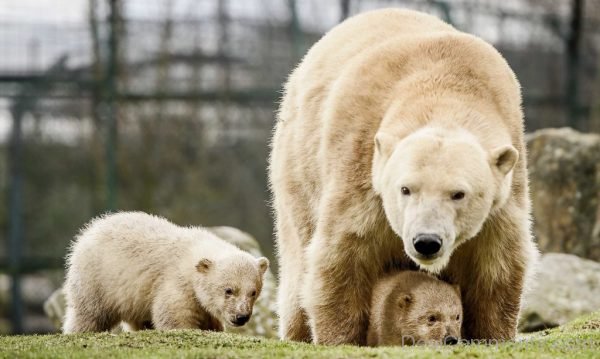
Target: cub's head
{"points": [[431, 313], [438, 187], [227, 288]]}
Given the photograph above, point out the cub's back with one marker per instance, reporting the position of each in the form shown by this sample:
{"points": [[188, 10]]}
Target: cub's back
{"points": [[127, 236]]}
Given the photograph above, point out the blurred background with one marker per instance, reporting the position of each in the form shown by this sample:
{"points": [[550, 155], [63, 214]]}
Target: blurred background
{"points": [[167, 106]]}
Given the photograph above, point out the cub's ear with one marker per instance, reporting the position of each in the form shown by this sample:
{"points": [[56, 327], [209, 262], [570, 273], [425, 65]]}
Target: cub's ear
{"points": [[204, 265], [505, 158], [456, 288], [404, 300], [384, 143], [263, 264]]}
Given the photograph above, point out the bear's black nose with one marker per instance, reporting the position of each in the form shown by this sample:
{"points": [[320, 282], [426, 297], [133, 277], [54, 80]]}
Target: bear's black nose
{"points": [[450, 340], [427, 244], [241, 319]]}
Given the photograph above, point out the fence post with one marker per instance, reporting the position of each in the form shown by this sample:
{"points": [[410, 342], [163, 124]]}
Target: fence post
{"points": [[111, 105], [572, 60], [445, 8], [16, 217], [344, 9], [296, 31]]}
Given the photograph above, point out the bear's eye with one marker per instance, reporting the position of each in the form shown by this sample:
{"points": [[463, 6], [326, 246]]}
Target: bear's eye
{"points": [[458, 317], [458, 195], [405, 191], [228, 291], [253, 294], [432, 319]]}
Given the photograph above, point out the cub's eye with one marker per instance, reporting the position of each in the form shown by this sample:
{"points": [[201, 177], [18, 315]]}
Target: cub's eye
{"points": [[458, 317], [457, 196], [432, 319], [228, 291], [405, 191], [253, 294]]}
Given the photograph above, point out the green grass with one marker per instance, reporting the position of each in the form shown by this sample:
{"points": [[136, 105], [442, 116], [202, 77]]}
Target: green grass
{"points": [[579, 339]]}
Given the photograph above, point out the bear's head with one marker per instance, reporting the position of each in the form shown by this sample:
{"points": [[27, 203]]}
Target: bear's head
{"points": [[430, 313], [228, 287], [438, 187]]}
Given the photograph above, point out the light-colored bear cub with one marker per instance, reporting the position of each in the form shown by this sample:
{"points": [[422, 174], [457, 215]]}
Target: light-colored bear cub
{"points": [[410, 308], [144, 270]]}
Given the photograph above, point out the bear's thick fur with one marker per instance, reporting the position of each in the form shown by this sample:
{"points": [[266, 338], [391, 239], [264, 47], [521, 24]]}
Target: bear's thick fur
{"points": [[410, 308], [399, 139], [145, 271]]}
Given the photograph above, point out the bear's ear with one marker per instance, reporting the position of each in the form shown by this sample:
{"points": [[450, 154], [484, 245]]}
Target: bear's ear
{"points": [[263, 264], [204, 265], [404, 300], [384, 143], [505, 158]]}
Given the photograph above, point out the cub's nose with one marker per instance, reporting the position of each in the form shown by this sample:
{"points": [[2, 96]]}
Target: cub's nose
{"points": [[427, 244], [450, 340], [241, 319]]}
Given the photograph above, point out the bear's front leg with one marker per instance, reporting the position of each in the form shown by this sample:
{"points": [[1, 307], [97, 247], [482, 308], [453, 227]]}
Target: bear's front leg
{"points": [[492, 297], [491, 314], [337, 289], [491, 270]]}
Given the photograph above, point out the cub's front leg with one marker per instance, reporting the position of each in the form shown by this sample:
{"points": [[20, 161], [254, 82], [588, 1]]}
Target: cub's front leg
{"points": [[173, 312], [174, 307]]}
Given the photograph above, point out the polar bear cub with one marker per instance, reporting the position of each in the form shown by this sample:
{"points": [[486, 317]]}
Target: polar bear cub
{"points": [[145, 271], [410, 308]]}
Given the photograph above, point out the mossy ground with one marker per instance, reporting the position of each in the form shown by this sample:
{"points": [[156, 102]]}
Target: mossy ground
{"points": [[579, 339]]}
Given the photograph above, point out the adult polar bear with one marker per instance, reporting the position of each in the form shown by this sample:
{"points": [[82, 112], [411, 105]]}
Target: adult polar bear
{"points": [[399, 135]]}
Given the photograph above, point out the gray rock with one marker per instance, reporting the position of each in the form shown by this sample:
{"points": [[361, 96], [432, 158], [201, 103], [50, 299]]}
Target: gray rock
{"points": [[54, 307], [564, 172], [35, 288], [565, 287]]}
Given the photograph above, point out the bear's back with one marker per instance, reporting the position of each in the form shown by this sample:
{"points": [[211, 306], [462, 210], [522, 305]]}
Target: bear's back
{"points": [[300, 127], [349, 42], [357, 35], [337, 97]]}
